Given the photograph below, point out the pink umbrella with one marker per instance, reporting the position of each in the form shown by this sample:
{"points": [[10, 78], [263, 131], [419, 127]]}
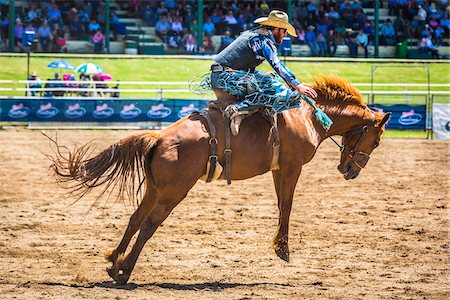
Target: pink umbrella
{"points": [[104, 76]]}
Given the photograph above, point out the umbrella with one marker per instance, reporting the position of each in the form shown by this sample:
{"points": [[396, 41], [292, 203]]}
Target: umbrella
{"points": [[105, 76], [61, 64], [88, 68]]}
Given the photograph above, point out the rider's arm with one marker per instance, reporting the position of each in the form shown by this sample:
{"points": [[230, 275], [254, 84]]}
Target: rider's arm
{"points": [[268, 50]]}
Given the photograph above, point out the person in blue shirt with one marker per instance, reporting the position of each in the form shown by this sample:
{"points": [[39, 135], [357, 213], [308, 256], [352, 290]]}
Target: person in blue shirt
{"points": [[234, 69]]}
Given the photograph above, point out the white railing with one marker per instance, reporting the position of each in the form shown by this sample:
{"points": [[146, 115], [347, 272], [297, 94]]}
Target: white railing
{"points": [[71, 87]]}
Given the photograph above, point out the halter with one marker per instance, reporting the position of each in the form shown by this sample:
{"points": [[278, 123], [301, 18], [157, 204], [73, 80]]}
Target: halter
{"points": [[360, 158]]}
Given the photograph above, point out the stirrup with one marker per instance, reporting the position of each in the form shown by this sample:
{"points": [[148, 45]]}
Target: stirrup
{"points": [[236, 123]]}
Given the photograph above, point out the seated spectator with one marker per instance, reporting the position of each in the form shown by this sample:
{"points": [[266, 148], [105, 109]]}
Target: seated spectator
{"points": [[59, 39], [99, 83], [70, 85], [173, 41], [231, 23], [133, 7], [387, 33], [190, 43], [322, 43], [301, 39], [445, 23], [162, 28], [331, 43], [350, 41], [45, 36], [54, 84], [32, 15], [94, 26], [77, 29], [99, 40], [225, 40], [54, 15], [177, 27], [362, 41], [426, 46], [311, 40], [37, 84], [439, 34], [209, 28], [83, 85], [208, 46], [18, 35]]}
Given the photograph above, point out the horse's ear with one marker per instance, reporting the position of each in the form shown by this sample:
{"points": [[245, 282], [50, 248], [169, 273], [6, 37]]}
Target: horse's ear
{"points": [[385, 119]]}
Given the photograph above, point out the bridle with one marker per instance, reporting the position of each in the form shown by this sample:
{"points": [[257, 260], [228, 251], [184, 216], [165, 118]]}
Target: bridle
{"points": [[360, 158]]}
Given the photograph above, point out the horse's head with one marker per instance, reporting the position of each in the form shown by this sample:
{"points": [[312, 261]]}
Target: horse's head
{"points": [[358, 144]]}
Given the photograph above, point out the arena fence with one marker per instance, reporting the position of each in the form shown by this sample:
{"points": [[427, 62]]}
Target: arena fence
{"points": [[411, 107]]}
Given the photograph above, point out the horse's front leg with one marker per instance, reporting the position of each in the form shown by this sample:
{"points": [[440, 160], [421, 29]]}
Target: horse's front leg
{"points": [[285, 182]]}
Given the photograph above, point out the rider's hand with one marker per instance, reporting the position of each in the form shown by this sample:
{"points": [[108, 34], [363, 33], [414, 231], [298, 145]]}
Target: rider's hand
{"points": [[306, 90]]}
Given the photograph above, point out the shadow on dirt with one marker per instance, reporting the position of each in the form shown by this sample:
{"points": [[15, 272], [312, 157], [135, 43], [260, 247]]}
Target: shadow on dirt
{"points": [[212, 286]]}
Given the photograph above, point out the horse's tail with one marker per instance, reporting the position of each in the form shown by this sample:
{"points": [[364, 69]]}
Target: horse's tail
{"points": [[119, 166]]}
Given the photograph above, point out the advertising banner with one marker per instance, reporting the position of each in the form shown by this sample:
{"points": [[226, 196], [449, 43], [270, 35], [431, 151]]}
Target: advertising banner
{"points": [[405, 116], [441, 121], [81, 110]]}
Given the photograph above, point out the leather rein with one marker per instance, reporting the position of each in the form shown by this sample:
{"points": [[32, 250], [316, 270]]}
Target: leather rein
{"points": [[360, 158]]}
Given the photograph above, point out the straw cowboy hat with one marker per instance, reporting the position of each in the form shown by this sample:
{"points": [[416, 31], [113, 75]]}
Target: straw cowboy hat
{"points": [[279, 19]]}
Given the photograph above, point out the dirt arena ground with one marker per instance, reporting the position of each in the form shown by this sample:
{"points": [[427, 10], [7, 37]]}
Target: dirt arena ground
{"points": [[383, 235]]}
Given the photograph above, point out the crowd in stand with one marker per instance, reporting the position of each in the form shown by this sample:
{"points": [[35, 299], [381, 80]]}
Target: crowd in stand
{"points": [[321, 26]]}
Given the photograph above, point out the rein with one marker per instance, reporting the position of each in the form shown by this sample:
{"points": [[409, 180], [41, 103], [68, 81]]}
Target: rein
{"points": [[360, 158]]}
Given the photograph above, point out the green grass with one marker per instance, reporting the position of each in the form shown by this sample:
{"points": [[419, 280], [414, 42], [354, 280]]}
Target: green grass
{"points": [[185, 70], [405, 134]]}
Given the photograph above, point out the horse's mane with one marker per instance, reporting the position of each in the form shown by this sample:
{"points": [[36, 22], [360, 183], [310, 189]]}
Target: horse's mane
{"points": [[335, 89]]}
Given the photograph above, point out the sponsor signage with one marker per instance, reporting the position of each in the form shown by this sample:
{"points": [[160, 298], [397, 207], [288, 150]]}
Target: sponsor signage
{"points": [[441, 121], [404, 116], [83, 110]]}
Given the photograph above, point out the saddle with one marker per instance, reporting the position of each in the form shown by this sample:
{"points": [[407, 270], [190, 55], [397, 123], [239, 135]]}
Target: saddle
{"points": [[232, 120]]}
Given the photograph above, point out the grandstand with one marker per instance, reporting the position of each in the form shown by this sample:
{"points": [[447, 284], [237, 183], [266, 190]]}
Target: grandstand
{"points": [[135, 32]]}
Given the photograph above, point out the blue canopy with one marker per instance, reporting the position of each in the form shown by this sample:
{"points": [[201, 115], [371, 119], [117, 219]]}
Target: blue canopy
{"points": [[61, 64]]}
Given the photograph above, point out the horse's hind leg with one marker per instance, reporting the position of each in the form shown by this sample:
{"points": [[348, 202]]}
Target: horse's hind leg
{"points": [[142, 212], [126, 264]]}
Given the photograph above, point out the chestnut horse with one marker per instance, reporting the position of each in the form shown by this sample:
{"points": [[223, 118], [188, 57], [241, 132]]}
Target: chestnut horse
{"points": [[167, 165]]}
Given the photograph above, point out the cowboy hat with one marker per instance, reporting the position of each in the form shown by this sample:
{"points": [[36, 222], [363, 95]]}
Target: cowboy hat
{"points": [[278, 19]]}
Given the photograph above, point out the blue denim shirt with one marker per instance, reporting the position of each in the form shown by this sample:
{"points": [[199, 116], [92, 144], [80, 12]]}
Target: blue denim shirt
{"points": [[264, 46]]}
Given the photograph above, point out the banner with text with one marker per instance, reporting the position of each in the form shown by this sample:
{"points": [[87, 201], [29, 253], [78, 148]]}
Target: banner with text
{"points": [[405, 116], [81, 110]]}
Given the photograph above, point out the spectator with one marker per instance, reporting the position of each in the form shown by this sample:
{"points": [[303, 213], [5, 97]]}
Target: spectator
{"points": [[54, 15], [32, 15], [400, 27], [351, 43], [322, 43], [387, 33], [162, 28], [311, 40], [18, 35], [59, 39], [98, 39], [161, 10], [445, 23], [133, 7], [208, 46], [177, 27], [422, 16], [36, 84], [94, 26], [83, 85], [45, 36], [362, 41], [209, 28], [331, 43], [76, 28], [301, 38], [225, 40], [427, 46], [439, 34], [190, 44], [231, 23], [54, 83]]}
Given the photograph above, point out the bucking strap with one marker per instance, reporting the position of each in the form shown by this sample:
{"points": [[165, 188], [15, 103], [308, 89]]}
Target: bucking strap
{"points": [[212, 146]]}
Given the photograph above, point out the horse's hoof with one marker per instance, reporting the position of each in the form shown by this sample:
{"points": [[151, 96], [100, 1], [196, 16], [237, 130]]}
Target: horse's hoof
{"points": [[122, 279], [281, 253], [112, 272]]}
